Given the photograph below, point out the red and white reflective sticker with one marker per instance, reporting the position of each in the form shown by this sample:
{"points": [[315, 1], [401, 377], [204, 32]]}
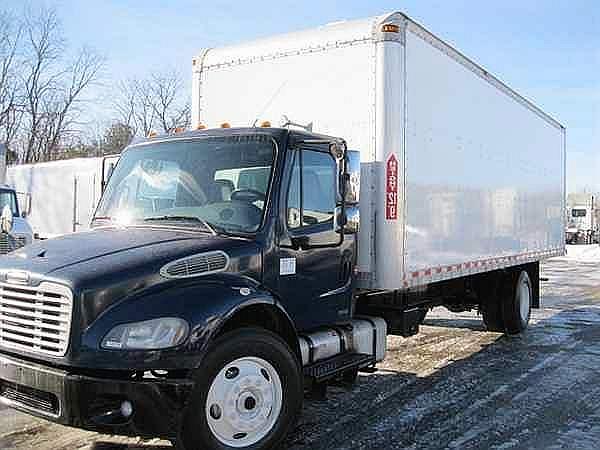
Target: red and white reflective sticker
{"points": [[391, 188]]}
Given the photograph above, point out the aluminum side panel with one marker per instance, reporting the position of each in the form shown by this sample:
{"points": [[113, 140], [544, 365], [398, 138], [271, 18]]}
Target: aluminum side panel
{"points": [[484, 174]]}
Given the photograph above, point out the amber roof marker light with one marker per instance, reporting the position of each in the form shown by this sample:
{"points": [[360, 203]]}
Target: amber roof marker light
{"points": [[390, 28]]}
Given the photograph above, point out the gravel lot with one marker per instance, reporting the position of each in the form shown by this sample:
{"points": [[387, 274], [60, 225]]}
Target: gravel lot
{"points": [[454, 385]]}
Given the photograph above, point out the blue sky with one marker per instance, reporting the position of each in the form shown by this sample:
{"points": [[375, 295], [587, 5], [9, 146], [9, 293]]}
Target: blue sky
{"points": [[549, 51]]}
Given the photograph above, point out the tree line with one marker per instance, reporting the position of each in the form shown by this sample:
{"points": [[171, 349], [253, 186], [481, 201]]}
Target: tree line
{"points": [[48, 90]]}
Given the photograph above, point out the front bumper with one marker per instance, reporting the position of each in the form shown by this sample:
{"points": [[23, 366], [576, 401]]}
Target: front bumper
{"points": [[94, 403]]}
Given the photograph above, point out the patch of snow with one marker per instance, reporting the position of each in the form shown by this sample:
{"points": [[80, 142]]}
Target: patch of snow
{"points": [[583, 253]]}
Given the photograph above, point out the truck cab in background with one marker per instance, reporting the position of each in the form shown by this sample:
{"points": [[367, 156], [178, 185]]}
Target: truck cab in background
{"points": [[20, 232], [583, 224]]}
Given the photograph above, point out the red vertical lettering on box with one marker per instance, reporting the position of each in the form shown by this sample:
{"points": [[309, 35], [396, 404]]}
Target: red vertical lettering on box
{"points": [[391, 188]]}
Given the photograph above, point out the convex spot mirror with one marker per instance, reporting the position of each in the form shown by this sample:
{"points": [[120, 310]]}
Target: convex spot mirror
{"points": [[6, 219], [347, 220], [351, 178]]}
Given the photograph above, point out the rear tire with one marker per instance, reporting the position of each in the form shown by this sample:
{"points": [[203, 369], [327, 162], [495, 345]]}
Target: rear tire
{"points": [[248, 394], [491, 308], [517, 303]]}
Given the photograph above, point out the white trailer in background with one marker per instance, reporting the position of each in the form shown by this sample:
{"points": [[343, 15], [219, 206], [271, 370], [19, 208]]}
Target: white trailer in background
{"points": [[480, 170], [64, 193]]}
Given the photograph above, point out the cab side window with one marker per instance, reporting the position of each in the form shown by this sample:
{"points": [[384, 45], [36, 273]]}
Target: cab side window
{"points": [[311, 195]]}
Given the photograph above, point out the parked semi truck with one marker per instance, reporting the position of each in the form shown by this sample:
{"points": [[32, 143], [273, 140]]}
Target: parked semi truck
{"points": [[19, 232], [231, 269]]}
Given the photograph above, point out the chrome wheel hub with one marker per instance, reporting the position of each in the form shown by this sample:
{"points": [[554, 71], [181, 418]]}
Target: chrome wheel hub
{"points": [[524, 300], [244, 402]]}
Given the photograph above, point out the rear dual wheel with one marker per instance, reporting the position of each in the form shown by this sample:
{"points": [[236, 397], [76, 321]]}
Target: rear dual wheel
{"points": [[508, 309], [248, 394]]}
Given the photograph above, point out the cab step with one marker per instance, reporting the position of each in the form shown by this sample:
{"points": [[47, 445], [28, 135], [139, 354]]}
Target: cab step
{"points": [[327, 369]]}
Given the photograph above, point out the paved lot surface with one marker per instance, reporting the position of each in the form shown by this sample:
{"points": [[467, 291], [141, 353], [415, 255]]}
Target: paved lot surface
{"points": [[452, 386]]}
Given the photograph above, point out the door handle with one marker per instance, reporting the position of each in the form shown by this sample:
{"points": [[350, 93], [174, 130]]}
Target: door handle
{"points": [[299, 242]]}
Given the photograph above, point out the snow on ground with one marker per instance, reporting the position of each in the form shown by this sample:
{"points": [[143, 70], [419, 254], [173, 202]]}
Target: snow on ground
{"points": [[583, 253]]}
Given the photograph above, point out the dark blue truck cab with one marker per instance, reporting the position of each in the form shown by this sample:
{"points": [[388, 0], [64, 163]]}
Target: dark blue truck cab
{"points": [[187, 311]]}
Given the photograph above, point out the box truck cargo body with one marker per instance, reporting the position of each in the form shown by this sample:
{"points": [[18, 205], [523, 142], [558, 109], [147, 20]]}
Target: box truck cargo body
{"points": [[480, 170], [230, 270], [63, 194]]}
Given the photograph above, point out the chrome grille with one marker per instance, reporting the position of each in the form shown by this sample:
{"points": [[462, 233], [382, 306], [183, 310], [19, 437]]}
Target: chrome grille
{"points": [[9, 243], [36, 319], [196, 265]]}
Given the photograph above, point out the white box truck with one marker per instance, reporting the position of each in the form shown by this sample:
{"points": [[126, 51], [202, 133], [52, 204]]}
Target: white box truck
{"points": [[63, 193], [229, 270]]}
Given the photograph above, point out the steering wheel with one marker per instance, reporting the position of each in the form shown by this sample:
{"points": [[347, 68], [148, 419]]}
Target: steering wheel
{"points": [[247, 195]]}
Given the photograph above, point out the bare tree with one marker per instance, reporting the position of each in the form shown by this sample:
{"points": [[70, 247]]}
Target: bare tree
{"points": [[10, 112], [79, 76], [157, 101], [166, 100], [52, 87], [116, 138], [134, 106]]}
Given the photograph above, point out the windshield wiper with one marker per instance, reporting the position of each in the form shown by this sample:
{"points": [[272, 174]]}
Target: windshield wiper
{"points": [[209, 226]]}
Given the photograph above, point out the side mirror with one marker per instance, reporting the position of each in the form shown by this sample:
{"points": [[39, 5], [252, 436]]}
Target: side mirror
{"points": [[6, 220], [347, 220], [23, 214], [352, 177], [352, 219]]}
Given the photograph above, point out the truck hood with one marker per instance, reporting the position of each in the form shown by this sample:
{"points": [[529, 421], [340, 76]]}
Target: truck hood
{"points": [[113, 267], [86, 258], [48, 256]]}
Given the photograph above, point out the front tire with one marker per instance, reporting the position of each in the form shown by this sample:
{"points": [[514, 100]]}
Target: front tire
{"points": [[248, 394]]}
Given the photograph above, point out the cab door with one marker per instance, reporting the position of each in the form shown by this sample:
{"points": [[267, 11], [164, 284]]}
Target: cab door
{"points": [[314, 259]]}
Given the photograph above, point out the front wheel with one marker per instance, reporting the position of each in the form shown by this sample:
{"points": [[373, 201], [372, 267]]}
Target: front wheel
{"points": [[248, 394]]}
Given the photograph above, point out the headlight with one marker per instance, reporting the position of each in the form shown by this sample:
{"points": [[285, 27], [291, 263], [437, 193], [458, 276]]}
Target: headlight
{"points": [[148, 335]]}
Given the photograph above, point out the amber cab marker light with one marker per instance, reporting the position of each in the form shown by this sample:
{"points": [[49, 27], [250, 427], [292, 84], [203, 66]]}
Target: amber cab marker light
{"points": [[225, 125], [152, 134], [179, 130], [390, 28], [265, 124], [200, 126]]}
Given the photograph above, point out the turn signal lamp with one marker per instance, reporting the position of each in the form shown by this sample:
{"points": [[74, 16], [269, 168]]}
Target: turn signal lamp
{"points": [[390, 28], [265, 124], [225, 125]]}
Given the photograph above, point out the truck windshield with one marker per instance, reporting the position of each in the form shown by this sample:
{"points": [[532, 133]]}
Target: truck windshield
{"points": [[9, 198], [211, 183]]}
